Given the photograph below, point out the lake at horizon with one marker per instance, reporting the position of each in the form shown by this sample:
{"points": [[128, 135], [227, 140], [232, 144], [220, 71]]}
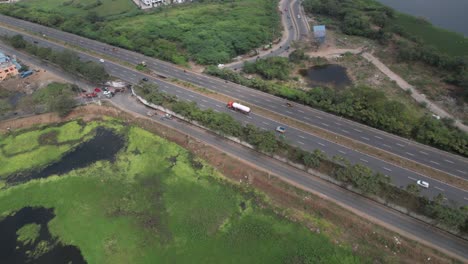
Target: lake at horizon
{"points": [[447, 14]]}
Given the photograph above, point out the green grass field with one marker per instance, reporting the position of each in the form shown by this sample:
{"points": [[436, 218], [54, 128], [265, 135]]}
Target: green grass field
{"points": [[153, 205], [445, 41]]}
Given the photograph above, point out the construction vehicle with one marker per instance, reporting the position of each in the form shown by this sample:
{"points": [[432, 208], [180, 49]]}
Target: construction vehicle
{"points": [[236, 106]]}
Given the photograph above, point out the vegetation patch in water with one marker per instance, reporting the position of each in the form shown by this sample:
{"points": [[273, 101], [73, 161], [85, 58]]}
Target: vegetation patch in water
{"points": [[28, 233]]}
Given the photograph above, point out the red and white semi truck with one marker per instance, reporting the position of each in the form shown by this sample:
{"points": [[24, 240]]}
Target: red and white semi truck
{"points": [[236, 106]]}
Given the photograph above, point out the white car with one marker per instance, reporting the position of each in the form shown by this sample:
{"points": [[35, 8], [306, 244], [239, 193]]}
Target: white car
{"points": [[423, 184], [101, 60]]}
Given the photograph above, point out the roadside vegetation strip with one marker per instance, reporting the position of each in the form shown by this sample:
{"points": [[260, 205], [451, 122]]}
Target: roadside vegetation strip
{"points": [[157, 194], [362, 104], [361, 178]]}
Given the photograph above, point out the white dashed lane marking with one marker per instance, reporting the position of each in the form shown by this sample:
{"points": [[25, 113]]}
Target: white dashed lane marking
{"points": [[342, 152], [385, 168], [437, 163]]}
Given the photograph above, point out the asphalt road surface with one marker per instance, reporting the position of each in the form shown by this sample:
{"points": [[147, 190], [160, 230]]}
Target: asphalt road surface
{"points": [[431, 157], [399, 176], [403, 223], [399, 222]]}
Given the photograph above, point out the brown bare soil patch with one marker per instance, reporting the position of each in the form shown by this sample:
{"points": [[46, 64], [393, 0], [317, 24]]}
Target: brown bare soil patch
{"points": [[318, 214]]}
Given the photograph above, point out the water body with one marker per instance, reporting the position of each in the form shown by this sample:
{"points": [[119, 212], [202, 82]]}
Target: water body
{"points": [[103, 146], [327, 75], [13, 251], [447, 14]]}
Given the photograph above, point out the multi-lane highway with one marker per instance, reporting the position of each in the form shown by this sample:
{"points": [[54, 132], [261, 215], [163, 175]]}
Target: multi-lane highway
{"points": [[431, 157], [399, 176], [401, 223]]}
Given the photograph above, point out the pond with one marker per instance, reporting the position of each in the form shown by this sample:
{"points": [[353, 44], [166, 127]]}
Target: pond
{"points": [[103, 146], [41, 248], [332, 75]]}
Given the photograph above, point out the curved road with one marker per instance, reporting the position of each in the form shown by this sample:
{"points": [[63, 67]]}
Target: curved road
{"points": [[431, 157]]}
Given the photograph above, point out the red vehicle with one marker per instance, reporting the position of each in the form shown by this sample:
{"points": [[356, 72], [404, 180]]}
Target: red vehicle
{"points": [[89, 95], [97, 90], [236, 106]]}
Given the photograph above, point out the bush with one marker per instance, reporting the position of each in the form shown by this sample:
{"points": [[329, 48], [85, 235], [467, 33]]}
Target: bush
{"points": [[270, 68]]}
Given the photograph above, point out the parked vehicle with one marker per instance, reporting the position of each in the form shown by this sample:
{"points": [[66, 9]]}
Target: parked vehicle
{"points": [[236, 106], [144, 79], [423, 184], [108, 94], [101, 60], [280, 129], [26, 74], [89, 95]]}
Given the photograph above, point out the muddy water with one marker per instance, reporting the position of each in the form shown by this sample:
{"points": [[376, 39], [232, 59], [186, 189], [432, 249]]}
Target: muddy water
{"points": [[103, 146], [326, 75], [13, 251]]}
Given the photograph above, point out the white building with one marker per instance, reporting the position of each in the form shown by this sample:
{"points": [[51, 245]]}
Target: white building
{"points": [[144, 4]]}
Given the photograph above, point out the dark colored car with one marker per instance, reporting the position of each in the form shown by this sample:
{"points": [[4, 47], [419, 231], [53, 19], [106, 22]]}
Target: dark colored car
{"points": [[145, 79]]}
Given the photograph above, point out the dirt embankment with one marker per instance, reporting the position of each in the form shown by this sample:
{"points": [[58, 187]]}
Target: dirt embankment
{"points": [[342, 226]]}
